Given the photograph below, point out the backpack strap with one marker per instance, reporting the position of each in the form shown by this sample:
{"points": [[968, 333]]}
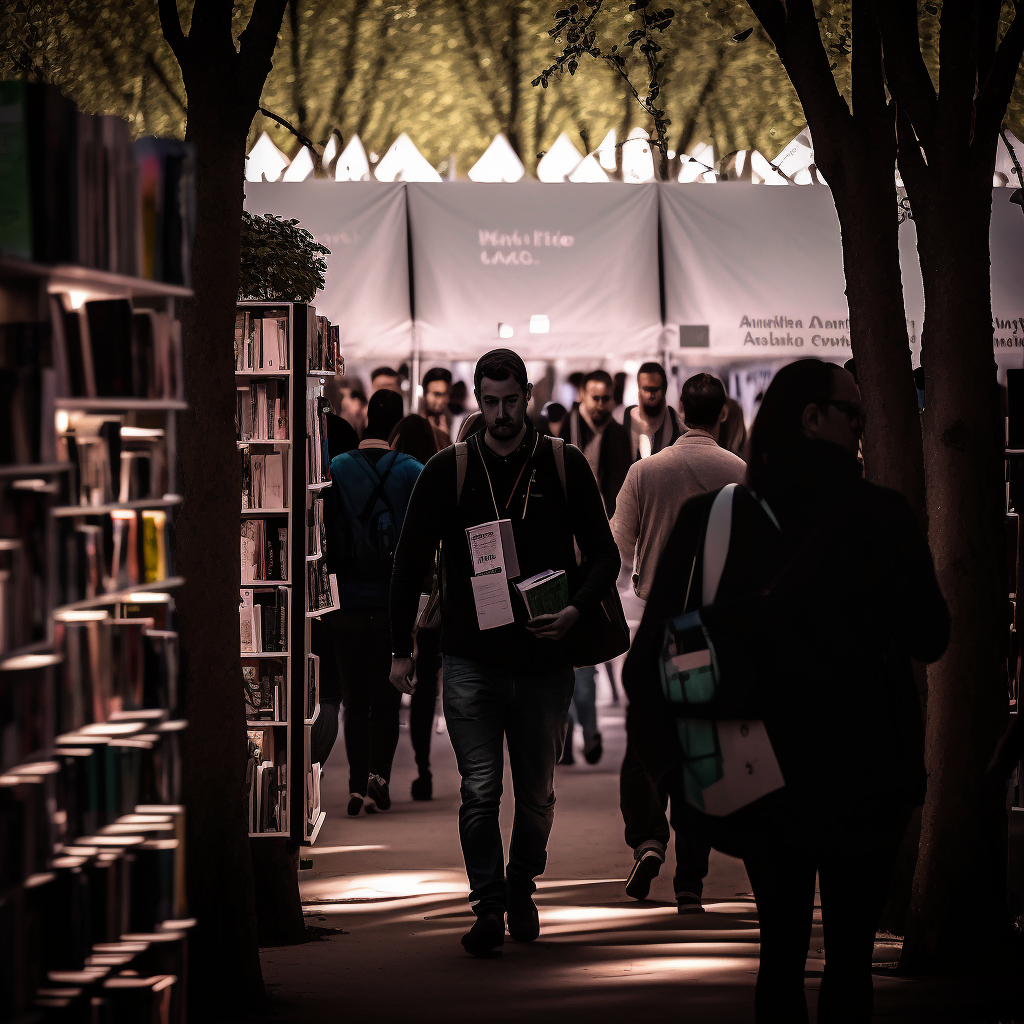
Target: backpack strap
{"points": [[461, 461], [379, 491], [558, 451], [716, 541]]}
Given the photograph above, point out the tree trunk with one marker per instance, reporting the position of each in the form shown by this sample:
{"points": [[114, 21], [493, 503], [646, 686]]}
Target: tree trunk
{"points": [[959, 895], [225, 968]]}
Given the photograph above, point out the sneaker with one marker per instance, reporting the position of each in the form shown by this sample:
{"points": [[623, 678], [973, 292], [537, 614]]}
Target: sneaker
{"points": [[593, 750], [423, 787], [377, 791], [355, 803], [523, 919], [486, 935], [688, 903], [649, 858]]}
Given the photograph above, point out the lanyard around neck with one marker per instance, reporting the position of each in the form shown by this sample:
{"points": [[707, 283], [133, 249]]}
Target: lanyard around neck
{"points": [[490, 485]]}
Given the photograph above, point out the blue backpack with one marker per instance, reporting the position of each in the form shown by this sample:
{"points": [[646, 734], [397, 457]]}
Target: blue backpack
{"points": [[370, 527]]}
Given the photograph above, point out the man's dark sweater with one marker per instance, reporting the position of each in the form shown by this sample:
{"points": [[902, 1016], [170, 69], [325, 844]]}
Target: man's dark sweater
{"points": [[527, 491]]}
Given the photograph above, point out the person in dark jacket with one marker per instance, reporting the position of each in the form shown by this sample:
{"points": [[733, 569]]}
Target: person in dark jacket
{"points": [[825, 612], [506, 676], [652, 424]]}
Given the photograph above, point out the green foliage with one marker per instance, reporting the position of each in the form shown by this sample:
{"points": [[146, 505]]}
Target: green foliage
{"points": [[452, 73], [280, 260]]}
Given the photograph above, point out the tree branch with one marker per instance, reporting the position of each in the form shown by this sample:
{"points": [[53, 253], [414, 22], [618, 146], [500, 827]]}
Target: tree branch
{"points": [[158, 74], [170, 23], [995, 93], [905, 70], [256, 45], [284, 124]]}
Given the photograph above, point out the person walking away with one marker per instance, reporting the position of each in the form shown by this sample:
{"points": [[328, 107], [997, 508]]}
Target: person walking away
{"points": [[506, 676], [822, 614], [656, 488], [415, 436], [370, 492], [652, 424], [605, 444], [433, 406]]}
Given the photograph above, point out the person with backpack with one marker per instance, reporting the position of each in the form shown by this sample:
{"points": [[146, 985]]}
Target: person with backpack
{"points": [[506, 676], [770, 681], [368, 501]]}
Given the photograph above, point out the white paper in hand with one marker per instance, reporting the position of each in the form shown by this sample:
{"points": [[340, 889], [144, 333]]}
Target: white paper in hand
{"points": [[749, 768]]}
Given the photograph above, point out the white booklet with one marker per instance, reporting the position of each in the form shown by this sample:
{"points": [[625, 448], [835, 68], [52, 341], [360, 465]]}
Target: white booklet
{"points": [[492, 550]]}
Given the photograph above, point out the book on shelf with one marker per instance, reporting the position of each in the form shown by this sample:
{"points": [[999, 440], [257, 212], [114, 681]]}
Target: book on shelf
{"points": [[261, 411], [261, 340], [323, 348], [547, 593], [154, 546], [144, 471], [321, 587], [318, 463], [266, 783], [312, 685], [263, 480], [263, 620], [316, 530], [265, 695], [264, 550], [28, 388]]}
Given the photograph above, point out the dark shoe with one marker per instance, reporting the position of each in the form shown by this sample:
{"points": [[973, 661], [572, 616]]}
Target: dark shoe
{"points": [[593, 750], [377, 791], [523, 919], [688, 903], [486, 935], [423, 787], [649, 858], [355, 803]]}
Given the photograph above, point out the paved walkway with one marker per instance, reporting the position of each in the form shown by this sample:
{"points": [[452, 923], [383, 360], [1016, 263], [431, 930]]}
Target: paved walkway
{"points": [[394, 883]]}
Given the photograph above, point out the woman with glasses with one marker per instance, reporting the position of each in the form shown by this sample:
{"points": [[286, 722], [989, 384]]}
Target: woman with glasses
{"points": [[826, 594]]}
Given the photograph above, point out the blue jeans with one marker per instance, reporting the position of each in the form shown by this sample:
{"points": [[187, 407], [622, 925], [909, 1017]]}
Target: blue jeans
{"points": [[483, 705], [584, 702]]}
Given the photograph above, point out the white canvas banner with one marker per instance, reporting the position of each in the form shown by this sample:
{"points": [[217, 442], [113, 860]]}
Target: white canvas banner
{"points": [[364, 225], [577, 263], [754, 273]]}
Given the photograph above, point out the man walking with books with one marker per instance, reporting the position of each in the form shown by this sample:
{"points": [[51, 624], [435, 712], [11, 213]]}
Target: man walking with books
{"points": [[504, 508], [656, 488], [369, 497]]}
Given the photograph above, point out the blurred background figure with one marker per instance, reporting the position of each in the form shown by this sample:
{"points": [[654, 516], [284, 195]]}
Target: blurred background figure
{"points": [[437, 382], [457, 401], [348, 399], [551, 419], [385, 378], [618, 396], [732, 432], [652, 424]]}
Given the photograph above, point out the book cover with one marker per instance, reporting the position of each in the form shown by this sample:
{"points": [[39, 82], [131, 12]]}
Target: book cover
{"points": [[546, 593], [273, 493]]}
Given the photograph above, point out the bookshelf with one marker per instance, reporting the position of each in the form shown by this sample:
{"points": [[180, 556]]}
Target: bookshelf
{"points": [[284, 353], [92, 894]]}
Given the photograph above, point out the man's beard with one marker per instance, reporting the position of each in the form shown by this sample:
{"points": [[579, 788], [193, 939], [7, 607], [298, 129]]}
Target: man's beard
{"points": [[502, 430], [599, 417], [653, 410]]}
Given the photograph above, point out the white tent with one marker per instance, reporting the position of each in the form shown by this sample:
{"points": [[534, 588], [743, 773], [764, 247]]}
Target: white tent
{"points": [[589, 169], [499, 162], [352, 165], [637, 157], [404, 162], [559, 161], [265, 161], [301, 166]]}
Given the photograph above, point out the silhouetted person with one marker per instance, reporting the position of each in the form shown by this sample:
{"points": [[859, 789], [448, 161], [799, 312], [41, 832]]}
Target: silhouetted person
{"points": [[852, 598], [503, 681], [656, 488], [605, 443], [415, 436], [551, 419], [368, 500]]}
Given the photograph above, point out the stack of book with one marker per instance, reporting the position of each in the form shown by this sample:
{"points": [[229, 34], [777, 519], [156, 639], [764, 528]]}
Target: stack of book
{"points": [[262, 411], [266, 783], [265, 695], [318, 463], [28, 385], [323, 351], [75, 189], [263, 620], [261, 340], [264, 550], [263, 479]]}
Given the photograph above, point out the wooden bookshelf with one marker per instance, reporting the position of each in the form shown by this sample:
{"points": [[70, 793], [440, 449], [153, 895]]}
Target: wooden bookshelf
{"points": [[302, 386], [87, 716]]}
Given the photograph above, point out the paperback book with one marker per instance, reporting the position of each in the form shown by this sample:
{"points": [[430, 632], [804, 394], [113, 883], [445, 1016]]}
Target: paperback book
{"points": [[547, 593]]}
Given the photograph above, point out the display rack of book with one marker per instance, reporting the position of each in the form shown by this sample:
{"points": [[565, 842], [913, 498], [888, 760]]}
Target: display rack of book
{"points": [[283, 354], [92, 897]]}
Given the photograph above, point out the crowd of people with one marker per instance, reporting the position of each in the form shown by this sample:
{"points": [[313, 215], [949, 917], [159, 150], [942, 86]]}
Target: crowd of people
{"points": [[772, 712]]}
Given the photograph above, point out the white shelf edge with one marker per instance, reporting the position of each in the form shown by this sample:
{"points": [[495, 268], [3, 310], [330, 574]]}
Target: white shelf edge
{"points": [[125, 404], [253, 723], [263, 440], [249, 655], [265, 511], [320, 485], [316, 828], [121, 596], [167, 501], [323, 611]]}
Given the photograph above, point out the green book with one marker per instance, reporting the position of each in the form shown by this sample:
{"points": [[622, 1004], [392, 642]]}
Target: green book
{"points": [[546, 593]]}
